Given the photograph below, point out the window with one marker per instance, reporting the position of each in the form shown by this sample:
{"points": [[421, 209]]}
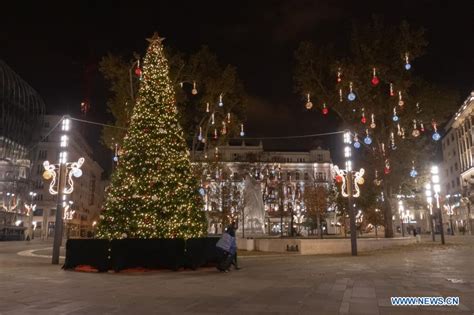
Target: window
{"points": [[52, 212], [456, 166], [38, 212], [454, 152], [447, 142], [447, 172], [459, 182], [451, 169], [452, 183], [42, 154], [297, 177], [39, 169], [46, 124], [319, 157], [92, 190], [306, 176]]}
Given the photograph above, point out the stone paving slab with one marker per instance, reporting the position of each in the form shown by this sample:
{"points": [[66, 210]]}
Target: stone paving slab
{"points": [[325, 284]]}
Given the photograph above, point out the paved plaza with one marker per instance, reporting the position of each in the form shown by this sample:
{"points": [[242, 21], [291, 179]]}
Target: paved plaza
{"points": [[267, 284]]}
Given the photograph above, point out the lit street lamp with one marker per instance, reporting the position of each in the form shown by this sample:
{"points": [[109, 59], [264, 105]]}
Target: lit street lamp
{"points": [[401, 214], [437, 189], [61, 183], [350, 187]]}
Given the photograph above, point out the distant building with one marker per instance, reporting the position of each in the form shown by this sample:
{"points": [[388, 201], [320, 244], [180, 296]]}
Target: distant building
{"points": [[86, 199], [458, 167], [21, 112], [296, 170]]}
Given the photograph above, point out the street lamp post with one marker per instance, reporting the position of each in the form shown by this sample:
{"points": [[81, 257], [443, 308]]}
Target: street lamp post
{"points": [[350, 188], [429, 200], [437, 190], [61, 184], [401, 213]]}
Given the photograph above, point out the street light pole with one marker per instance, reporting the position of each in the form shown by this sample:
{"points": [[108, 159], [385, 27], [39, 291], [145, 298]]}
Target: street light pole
{"points": [[352, 219], [437, 190]]}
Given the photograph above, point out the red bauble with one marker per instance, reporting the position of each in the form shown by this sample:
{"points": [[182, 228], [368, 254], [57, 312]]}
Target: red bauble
{"points": [[325, 111], [375, 81], [138, 72], [338, 179], [387, 170], [363, 120], [339, 80]]}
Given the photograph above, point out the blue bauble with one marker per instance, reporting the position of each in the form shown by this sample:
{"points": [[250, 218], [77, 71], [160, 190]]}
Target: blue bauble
{"points": [[407, 66], [351, 96], [115, 158], [436, 136], [368, 140], [357, 144], [202, 191], [242, 134], [395, 118], [413, 173]]}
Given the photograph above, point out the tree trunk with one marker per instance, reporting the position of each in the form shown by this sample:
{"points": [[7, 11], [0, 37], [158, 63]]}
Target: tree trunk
{"points": [[387, 210]]}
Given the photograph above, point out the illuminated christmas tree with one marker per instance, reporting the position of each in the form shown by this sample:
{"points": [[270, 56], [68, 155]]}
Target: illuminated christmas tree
{"points": [[153, 192]]}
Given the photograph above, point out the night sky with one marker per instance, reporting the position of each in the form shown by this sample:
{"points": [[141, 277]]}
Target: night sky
{"points": [[52, 45]]}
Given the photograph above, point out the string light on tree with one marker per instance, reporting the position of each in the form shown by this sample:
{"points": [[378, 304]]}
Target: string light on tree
{"points": [[363, 119], [207, 107], [339, 75], [356, 142], [340, 95], [194, 91], [392, 92], [242, 133]]}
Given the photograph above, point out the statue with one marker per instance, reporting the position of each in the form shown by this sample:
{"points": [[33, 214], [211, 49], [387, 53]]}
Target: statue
{"points": [[254, 211]]}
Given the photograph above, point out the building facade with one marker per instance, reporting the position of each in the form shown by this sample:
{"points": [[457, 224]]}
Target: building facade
{"points": [[84, 203], [458, 163], [280, 178], [21, 112]]}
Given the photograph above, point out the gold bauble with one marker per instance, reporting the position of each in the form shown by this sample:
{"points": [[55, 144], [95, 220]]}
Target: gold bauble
{"points": [[47, 175], [360, 181]]}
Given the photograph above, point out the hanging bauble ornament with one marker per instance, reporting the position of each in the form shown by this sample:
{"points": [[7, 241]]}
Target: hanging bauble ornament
{"points": [[242, 130], [413, 172], [351, 96], [436, 136], [339, 75], [363, 119], [392, 141], [415, 133], [338, 179], [387, 169], [422, 128], [399, 130], [115, 158], [377, 180], [138, 71], [360, 181], [367, 139], [375, 81], [400, 99], [228, 118], [308, 105], [325, 109], [221, 103], [395, 117], [212, 119], [372, 123], [215, 133], [392, 93], [207, 107], [407, 62], [418, 108], [356, 142], [194, 91], [224, 128], [200, 134], [340, 95]]}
